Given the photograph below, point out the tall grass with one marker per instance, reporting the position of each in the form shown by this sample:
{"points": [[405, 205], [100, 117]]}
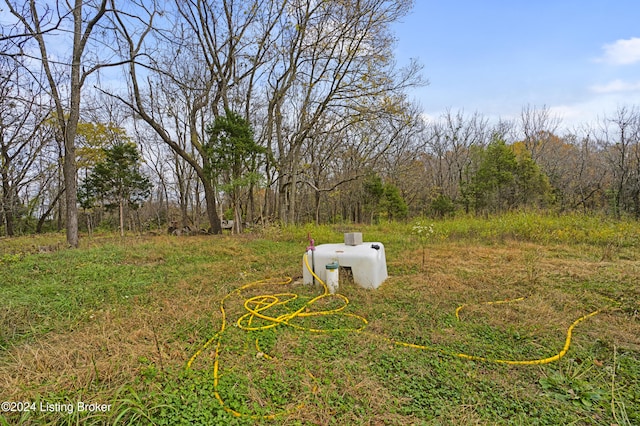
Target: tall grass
{"points": [[544, 229], [115, 322]]}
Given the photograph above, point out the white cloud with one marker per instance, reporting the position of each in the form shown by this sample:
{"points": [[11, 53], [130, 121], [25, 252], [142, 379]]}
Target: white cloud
{"points": [[622, 52], [616, 86], [566, 112], [578, 115], [592, 109], [428, 118]]}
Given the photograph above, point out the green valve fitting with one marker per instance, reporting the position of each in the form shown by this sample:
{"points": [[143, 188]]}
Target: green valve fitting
{"points": [[332, 265]]}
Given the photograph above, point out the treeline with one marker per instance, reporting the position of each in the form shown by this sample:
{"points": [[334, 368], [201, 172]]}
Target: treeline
{"points": [[463, 163], [261, 111]]}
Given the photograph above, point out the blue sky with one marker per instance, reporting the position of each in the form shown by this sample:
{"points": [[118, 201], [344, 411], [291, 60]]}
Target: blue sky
{"points": [[581, 59]]}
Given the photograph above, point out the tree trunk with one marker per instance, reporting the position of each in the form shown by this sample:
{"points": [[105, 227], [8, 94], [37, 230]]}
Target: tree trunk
{"points": [[212, 211], [289, 197], [7, 204], [293, 200], [121, 218], [8, 221], [45, 214], [251, 206], [283, 200], [317, 202], [71, 192], [237, 224], [89, 226], [70, 168], [7, 198]]}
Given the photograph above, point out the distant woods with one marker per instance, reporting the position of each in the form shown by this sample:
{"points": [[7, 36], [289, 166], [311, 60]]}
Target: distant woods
{"points": [[265, 111]]}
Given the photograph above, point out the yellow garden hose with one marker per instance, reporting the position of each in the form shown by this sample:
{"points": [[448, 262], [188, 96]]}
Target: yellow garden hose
{"points": [[556, 357], [540, 361], [257, 308], [495, 302]]}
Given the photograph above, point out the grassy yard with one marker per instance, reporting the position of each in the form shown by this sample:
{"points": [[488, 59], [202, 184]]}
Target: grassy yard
{"points": [[115, 323]]}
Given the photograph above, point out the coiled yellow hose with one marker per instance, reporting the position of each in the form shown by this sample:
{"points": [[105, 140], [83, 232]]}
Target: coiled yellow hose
{"points": [[258, 307]]}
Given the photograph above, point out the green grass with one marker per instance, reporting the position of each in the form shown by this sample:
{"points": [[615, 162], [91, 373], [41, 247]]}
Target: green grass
{"points": [[116, 321]]}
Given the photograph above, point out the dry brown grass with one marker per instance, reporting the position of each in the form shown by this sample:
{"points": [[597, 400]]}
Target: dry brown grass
{"points": [[115, 345], [106, 351]]}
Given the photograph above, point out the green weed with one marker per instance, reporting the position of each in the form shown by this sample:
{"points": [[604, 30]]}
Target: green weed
{"points": [[115, 323]]}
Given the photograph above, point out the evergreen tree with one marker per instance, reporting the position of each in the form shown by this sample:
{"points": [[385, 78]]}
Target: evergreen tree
{"points": [[393, 203], [232, 157], [373, 191], [500, 180], [442, 206], [116, 180], [532, 185]]}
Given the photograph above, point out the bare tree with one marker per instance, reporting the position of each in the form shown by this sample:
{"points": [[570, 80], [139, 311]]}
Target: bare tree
{"points": [[449, 140], [620, 137], [46, 24], [195, 68], [539, 127], [23, 135], [586, 172], [332, 56], [285, 65]]}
